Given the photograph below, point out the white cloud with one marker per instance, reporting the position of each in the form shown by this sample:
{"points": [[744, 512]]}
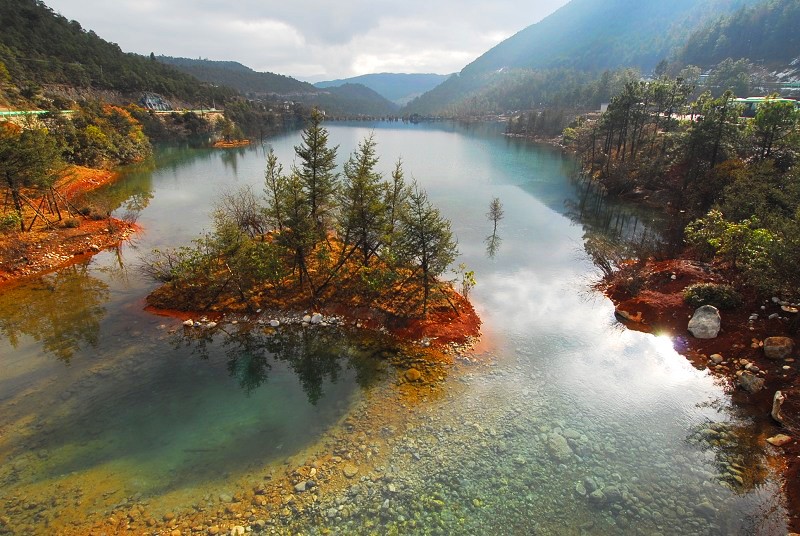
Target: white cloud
{"points": [[311, 38]]}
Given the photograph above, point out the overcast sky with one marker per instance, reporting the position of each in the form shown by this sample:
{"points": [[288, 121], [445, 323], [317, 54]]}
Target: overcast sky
{"points": [[312, 39]]}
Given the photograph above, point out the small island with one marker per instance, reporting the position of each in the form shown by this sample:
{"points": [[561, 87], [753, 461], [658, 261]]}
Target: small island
{"points": [[355, 246]]}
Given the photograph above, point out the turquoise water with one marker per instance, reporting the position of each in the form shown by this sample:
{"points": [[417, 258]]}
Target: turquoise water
{"points": [[570, 424]]}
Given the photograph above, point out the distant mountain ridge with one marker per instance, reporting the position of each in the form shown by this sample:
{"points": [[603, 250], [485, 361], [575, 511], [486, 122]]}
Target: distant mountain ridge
{"points": [[347, 99], [586, 36], [399, 88]]}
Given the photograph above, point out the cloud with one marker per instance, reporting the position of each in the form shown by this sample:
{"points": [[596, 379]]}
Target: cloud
{"points": [[309, 38]]}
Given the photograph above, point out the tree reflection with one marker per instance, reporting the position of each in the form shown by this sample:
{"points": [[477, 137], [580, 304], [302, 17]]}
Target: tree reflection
{"points": [[492, 245], [615, 231], [61, 310], [316, 355]]}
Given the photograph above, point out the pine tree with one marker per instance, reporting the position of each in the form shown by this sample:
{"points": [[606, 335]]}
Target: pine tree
{"points": [[316, 171], [363, 212], [427, 241]]}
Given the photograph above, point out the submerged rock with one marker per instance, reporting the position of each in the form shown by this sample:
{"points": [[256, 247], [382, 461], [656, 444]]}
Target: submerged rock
{"points": [[413, 375], [349, 470], [705, 323], [559, 448]]}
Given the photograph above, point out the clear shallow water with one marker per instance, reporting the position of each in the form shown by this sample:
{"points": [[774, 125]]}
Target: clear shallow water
{"points": [[99, 395]]}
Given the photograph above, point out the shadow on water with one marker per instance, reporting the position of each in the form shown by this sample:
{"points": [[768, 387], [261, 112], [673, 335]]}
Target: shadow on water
{"points": [[61, 310]]}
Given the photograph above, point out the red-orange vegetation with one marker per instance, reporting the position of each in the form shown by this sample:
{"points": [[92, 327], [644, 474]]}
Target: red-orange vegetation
{"points": [[73, 238]]}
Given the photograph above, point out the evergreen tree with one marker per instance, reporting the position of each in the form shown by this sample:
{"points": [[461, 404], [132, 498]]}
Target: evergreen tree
{"points": [[316, 171], [275, 192], [363, 212], [427, 240]]}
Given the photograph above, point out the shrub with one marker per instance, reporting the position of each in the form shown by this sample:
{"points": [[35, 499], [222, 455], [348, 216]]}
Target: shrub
{"points": [[10, 222], [718, 295], [72, 223]]}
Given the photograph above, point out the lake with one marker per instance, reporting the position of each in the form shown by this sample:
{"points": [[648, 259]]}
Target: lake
{"points": [[563, 422]]}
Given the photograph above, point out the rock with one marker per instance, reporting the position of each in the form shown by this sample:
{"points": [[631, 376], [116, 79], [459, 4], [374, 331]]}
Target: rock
{"points": [[705, 323], [413, 375], [301, 487], [580, 489], [778, 347], [706, 509], [213, 530], [307, 319], [779, 440], [211, 325], [316, 318], [349, 470], [225, 498], [777, 402], [188, 323], [625, 315], [750, 382], [238, 530], [597, 497], [716, 359], [274, 323], [175, 532], [559, 448]]}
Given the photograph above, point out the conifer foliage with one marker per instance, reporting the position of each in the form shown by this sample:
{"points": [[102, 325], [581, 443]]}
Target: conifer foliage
{"points": [[356, 238]]}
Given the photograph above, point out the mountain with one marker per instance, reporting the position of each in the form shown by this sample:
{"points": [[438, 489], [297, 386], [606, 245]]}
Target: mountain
{"points": [[587, 36], [239, 76], [39, 47], [766, 34], [346, 100], [399, 88]]}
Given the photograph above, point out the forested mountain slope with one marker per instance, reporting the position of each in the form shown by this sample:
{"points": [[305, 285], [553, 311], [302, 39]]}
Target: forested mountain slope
{"points": [[584, 36], [767, 33], [39, 47]]}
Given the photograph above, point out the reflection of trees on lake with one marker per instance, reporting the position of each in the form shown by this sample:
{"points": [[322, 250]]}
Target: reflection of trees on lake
{"points": [[62, 311], [230, 158], [316, 355], [614, 230]]}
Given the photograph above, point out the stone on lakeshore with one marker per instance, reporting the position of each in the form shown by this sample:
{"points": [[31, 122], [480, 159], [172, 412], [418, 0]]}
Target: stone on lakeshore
{"points": [[274, 323], [750, 382], [188, 323], [349, 470], [211, 325], [413, 375], [238, 530], [316, 318], [779, 440], [778, 347], [705, 323], [301, 487], [716, 359], [213, 530], [307, 319], [777, 402]]}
